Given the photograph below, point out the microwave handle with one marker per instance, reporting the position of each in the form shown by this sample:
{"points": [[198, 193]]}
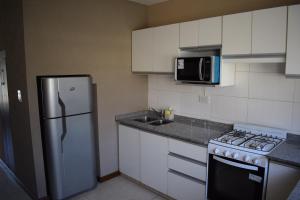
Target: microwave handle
{"points": [[235, 164], [200, 69]]}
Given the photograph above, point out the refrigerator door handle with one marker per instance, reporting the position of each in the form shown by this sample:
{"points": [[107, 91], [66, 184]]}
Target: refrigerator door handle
{"points": [[64, 123]]}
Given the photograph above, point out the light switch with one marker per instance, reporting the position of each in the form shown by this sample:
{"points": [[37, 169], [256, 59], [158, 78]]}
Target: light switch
{"points": [[19, 93]]}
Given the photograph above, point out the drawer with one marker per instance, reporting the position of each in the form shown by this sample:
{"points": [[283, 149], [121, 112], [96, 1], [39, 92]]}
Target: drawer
{"points": [[184, 188], [190, 168], [188, 150]]}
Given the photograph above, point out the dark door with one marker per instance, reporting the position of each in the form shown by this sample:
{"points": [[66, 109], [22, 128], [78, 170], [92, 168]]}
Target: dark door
{"points": [[5, 130]]}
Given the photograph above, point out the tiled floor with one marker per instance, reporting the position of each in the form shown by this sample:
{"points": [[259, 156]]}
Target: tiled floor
{"points": [[118, 188], [9, 189]]}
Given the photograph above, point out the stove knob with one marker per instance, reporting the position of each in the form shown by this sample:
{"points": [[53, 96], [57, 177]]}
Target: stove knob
{"points": [[226, 153], [247, 158], [217, 151], [235, 155]]}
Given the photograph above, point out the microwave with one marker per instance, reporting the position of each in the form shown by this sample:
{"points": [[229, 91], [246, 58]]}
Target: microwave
{"points": [[201, 70]]}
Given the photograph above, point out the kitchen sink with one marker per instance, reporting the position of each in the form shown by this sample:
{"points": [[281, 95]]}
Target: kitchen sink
{"points": [[160, 122], [146, 119]]}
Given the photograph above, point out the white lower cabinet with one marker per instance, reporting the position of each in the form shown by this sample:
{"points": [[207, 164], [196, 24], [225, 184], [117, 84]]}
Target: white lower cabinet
{"points": [[172, 167], [281, 180], [189, 168], [185, 188], [129, 151], [154, 151]]}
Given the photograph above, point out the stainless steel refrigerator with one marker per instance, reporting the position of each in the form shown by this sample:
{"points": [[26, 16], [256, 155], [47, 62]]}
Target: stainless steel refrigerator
{"points": [[65, 104]]}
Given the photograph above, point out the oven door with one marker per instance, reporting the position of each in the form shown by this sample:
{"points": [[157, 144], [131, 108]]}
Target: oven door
{"points": [[234, 180]]}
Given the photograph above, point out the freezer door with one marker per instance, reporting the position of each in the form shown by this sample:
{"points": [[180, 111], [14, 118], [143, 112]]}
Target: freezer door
{"points": [[65, 96], [70, 155]]}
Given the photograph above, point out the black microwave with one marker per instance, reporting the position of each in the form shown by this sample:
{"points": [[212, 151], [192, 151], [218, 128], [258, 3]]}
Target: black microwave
{"points": [[202, 70]]}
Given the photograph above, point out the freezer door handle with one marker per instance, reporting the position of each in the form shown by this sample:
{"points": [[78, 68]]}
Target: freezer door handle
{"points": [[64, 123]]}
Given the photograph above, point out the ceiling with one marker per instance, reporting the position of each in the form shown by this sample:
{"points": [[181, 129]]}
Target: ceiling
{"points": [[148, 2]]}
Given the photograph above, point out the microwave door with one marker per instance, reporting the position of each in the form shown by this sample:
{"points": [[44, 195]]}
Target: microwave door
{"points": [[188, 69]]}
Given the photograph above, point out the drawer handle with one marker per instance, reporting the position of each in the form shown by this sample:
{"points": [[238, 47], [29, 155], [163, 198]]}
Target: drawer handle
{"points": [[186, 176]]}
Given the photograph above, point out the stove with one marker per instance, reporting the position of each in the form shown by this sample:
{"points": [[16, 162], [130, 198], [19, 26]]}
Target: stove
{"points": [[238, 159], [251, 138]]}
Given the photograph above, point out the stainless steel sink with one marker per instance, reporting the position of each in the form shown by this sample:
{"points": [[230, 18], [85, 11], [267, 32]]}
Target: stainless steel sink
{"points": [[160, 122], [146, 119]]}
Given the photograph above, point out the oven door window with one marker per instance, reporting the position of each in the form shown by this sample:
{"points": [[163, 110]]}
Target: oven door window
{"points": [[234, 180]]}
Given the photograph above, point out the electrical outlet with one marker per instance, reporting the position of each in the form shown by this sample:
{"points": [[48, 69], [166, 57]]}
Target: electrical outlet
{"points": [[204, 99]]}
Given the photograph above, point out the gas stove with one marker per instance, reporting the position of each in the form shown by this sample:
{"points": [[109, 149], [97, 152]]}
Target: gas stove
{"points": [[238, 159], [252, 138], [248, 143]]}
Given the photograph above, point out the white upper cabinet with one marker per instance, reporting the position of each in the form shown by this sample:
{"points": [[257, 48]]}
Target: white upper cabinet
{"points": [[154, 49], [210, 31], [166, 45], [237, 34], [189, 34], [293, 42], [142, 50], [204, 32], [269, 31]]}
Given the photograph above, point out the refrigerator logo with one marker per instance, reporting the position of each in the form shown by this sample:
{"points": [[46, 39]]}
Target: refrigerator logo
{"points": [[72, 89]]}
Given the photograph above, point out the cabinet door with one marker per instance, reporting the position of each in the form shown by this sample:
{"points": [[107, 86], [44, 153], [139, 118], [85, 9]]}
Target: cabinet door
{"points": [[154, 150], [142, 50], [210, 31], [237, 34], [166, 45], [293, 41], [189, 34], [269, 31], [129, 151], [281, 181]]}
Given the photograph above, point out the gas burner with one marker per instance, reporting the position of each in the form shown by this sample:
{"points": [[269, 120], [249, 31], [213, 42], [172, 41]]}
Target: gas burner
{"points": [[262, 143], [235, 137]]}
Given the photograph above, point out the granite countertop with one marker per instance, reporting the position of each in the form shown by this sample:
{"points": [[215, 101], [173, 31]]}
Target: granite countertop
{"points": [[188, 129], [288, 152], [295, 194]]}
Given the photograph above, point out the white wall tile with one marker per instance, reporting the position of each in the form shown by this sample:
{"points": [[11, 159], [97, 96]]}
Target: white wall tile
{"points": [[267, 67], [229, 108], [152, 80], [168, 99], [240, 89], [296, 118], [190, 105], [270, 113], [297, 90], [152, 98], [271, 86], [242, 67]]}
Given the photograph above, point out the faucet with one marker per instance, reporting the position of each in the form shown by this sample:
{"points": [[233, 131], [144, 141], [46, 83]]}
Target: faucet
{"points": [[158, 113]]}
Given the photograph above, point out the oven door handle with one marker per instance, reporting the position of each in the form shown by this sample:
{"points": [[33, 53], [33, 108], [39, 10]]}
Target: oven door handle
{"points": [[239, 165]]}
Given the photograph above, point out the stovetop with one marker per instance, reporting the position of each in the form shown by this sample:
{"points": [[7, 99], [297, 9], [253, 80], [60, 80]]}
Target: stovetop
{"points": [[253, 138]]}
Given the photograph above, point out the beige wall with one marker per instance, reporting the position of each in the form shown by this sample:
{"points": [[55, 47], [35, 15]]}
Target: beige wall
{"points": [[91, 37], [174, 11]]}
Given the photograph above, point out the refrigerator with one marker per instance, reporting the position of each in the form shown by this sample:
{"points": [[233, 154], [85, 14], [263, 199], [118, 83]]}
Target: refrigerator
{"points": [[65, 104]]}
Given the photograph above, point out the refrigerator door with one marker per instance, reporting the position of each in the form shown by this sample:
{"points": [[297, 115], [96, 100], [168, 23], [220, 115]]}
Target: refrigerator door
{"points": [[70, 155], [65, 96]]}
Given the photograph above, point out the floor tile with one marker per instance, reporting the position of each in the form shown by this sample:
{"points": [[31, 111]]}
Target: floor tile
{"points": [[118, 188]]}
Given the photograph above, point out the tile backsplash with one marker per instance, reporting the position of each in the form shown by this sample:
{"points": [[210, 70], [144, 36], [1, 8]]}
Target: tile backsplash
{"points": [[261, 95]]}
